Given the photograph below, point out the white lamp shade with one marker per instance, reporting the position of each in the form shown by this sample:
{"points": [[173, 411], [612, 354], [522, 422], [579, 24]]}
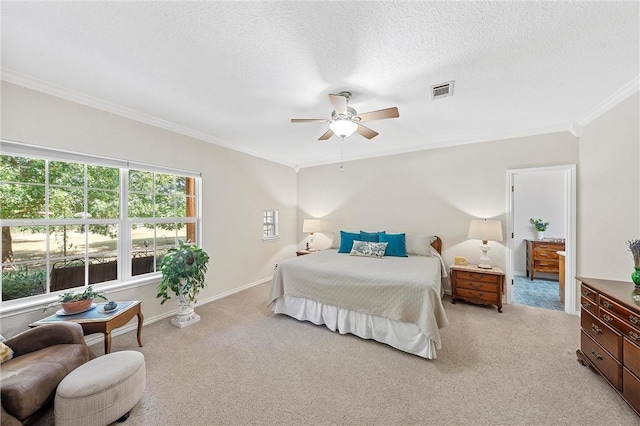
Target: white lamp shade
{"points": [[343, 128], [310, 226], [485, 230]]}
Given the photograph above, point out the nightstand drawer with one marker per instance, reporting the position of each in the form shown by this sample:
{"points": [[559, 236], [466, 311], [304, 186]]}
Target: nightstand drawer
{"points": [[483, 296], [478, 285], [478, 276]]}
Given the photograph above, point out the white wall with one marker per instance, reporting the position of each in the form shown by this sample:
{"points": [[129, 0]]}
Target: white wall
{"points": [[537, 195], [235, 188], [609, 192], [435, 191]]}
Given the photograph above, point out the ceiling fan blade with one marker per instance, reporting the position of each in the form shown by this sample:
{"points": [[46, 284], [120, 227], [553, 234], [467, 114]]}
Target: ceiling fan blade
{"points": [[326, 135], [308, 120], [339, 103], [380, 114], [366, 132]]}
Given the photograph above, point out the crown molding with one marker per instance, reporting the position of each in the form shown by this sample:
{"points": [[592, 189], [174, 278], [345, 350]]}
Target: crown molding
{"points": [[93, 102], [444, 143], [620, 95]]}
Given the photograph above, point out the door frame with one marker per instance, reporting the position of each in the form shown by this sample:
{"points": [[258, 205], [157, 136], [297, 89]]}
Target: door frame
{"points": [[569, 174]]}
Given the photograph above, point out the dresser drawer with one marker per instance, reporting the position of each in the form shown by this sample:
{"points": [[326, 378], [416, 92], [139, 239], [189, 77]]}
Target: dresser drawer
{"points": [[632, 319], [477, 276], [548, 247], [631, 356], [605, 336], [589, 305], [478, 295], [539, 254], [631, 388], [607, 317], [608, 366], [588, 293], [477, 285], [546, 265]]}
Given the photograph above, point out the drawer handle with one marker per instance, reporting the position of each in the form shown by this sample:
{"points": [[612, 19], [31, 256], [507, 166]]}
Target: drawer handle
{"points": [[607, 318], [586, 305], [634, 336], [586, 292], [596, 354], [633, 319], [476, 285], [606, 304], [596, 329]]}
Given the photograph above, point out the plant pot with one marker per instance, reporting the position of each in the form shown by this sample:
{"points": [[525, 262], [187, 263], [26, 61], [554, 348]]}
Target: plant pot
{"points": [[77, 306], [540, 235], [635, 276]]}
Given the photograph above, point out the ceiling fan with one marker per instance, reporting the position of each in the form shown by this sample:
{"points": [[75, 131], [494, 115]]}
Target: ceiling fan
{"points": [[345, 120]]}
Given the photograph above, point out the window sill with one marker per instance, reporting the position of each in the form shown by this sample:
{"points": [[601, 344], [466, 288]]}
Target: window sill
{"points": [[20, 306], [269, 239]]}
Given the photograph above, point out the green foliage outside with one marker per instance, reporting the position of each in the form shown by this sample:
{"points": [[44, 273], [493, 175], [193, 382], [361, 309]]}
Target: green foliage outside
{"points": [[23, 282]]}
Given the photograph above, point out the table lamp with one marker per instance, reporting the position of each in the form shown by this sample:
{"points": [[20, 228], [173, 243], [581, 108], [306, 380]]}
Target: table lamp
{"points": [[485, 230], [310, 226]]}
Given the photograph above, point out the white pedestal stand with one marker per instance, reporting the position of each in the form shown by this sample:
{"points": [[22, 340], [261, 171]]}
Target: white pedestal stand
{"points": [[186, 315]]}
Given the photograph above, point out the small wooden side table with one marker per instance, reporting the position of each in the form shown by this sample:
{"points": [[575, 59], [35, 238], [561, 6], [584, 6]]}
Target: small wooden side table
{"points": [[477, 285], [97, 321]]}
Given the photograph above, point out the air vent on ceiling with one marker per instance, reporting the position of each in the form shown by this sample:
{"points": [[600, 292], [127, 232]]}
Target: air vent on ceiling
{"points": [[442, 90]]}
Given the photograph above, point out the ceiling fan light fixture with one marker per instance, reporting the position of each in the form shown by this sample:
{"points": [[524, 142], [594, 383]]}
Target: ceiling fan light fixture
{"points": [[343, 127]]}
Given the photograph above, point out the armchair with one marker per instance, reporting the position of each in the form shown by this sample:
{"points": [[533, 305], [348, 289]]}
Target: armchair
{"points": [[42, 357]]}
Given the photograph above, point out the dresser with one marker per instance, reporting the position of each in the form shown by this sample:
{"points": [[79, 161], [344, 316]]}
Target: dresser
{"points": [[542, 256], [610, 335], [476, 285]]}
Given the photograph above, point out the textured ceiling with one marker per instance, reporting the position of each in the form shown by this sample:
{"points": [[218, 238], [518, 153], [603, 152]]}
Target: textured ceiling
{"points": [[234, 73]]}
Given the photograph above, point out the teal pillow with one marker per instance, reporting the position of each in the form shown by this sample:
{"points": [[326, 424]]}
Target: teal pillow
{"points": [[371, 237], [397, 245], [346, 241]]}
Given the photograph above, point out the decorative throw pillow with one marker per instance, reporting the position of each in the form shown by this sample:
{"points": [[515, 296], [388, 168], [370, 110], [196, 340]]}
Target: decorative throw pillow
{"points": [[5, 353], [396, 244], [372, 237], [346, 241], [368, 249]]}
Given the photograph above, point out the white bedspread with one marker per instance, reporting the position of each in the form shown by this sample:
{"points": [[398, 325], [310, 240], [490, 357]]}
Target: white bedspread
{"points": [[404, 289]]}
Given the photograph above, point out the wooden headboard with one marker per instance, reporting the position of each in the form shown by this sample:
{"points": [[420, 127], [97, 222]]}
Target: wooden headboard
{"points": [[437, 244]]}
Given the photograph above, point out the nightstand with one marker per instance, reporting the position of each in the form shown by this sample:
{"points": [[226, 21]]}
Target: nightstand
{"points": [[477, 285]]}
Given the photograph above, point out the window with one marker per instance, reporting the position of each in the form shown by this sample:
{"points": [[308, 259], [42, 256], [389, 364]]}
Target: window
{"points": [[270, 225], [71, 222]]}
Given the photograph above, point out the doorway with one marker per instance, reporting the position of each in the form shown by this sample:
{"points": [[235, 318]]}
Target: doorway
{"points": [[533, 192]]}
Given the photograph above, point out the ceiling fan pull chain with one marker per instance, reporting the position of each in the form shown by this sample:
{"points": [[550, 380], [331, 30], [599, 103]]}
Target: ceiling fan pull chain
{"points": [[341, 156]]}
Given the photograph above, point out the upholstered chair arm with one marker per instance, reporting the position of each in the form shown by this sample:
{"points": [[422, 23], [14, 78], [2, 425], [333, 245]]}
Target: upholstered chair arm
{"points": [[46, 335]]}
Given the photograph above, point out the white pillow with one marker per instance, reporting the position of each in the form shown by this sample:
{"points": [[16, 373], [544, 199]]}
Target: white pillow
{"points": [[368, 249], [419, 244]]}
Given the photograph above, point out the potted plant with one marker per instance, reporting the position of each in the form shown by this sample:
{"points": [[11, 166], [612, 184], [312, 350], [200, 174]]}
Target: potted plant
{"points": [[183, 274], [634, 248], [74, 303], [540, 226]]}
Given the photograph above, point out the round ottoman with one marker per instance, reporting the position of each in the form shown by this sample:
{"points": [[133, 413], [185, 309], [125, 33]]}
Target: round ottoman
{"points": [[101, 391]]}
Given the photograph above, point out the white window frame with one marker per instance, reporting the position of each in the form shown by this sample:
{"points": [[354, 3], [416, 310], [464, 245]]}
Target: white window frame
{"points": [[125, 280], [266, 223]]}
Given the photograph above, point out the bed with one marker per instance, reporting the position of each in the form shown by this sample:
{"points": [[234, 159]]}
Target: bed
{"points": [[395, 300]]}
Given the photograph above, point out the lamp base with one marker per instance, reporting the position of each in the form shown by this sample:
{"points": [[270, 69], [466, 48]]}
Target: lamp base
{"points": [[484, 259]]}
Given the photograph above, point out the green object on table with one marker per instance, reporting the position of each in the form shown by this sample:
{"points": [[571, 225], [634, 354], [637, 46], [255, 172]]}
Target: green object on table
{"points": [[635, 276]]}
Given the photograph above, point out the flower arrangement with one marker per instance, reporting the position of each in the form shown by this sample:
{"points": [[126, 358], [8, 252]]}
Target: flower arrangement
{"points": [[539, 224], [634, 248]]}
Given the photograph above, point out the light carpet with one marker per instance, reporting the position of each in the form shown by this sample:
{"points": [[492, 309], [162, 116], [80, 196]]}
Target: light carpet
{"points": [[241, 364]]}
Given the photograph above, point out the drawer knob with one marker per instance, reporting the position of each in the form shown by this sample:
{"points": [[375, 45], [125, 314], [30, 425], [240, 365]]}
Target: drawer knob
{"points": [[607, 318], [633, 319], [596, 354], [586, 305], [606, 304], [586, 292], [596, 329], [634, 336]]}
